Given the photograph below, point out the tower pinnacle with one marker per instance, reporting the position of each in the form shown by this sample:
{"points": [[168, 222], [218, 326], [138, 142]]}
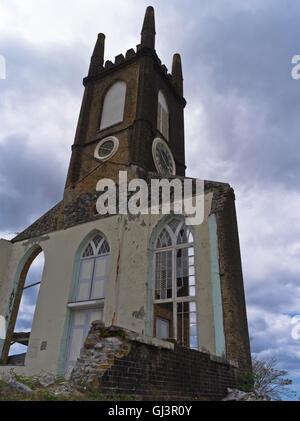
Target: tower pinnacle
{"points": [[98, 55], [177, 73], [148, 30]]}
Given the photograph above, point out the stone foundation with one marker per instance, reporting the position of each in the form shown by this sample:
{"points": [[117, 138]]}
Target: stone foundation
{"points": [[121, 362]]}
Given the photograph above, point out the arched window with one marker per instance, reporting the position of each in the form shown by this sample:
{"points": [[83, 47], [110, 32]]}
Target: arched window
{"points": [[93, 270], [175, 313], [163, 116], [88, 302], [113, 105]]}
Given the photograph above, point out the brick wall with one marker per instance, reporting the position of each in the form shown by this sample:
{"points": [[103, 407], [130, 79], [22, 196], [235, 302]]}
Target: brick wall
{"points": [[120, 362]]}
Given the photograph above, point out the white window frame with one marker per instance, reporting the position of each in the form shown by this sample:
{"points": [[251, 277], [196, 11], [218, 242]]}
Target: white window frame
{"points": [[92, 301], [174, 300]]}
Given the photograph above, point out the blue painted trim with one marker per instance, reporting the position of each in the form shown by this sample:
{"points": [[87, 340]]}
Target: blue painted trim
{"points": [[216, 287]]}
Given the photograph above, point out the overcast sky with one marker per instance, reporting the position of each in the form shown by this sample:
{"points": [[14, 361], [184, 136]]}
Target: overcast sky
{"points": [[241, 120]]}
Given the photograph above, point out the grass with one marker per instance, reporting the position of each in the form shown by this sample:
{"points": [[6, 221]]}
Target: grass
{"points": [[52, 393]]}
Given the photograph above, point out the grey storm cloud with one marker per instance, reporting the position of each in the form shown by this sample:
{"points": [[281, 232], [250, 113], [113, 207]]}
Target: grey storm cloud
{"points": [[27, 185], [243, 68]]}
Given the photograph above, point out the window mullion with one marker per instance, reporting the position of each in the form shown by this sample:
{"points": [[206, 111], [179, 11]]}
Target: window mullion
{"points": [[174, 295], [92, 278]]}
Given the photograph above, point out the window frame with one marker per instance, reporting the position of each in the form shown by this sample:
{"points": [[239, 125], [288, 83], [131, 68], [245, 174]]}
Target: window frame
{"points": [[90, 301], [174, 247], [104, 126]]}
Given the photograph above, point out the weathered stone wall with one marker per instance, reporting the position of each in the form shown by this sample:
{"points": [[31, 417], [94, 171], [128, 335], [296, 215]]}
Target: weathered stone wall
{"points": [[120, 362]]}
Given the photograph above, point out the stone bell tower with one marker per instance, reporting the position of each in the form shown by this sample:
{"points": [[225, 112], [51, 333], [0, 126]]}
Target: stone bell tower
{"points": [[125, 103]]}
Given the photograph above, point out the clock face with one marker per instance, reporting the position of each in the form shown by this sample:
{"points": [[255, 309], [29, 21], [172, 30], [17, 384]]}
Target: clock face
{"points": [[163, 157]]}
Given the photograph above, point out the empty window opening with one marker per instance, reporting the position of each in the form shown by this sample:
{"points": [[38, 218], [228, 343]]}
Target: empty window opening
{"points": [[22, 315]]}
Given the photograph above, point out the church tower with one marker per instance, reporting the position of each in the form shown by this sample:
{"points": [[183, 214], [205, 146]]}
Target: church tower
{"points": [[177, 288], [126, 106]]}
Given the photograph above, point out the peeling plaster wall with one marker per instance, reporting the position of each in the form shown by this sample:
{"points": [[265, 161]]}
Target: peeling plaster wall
{"points": [[5, 253], [126, 289]]}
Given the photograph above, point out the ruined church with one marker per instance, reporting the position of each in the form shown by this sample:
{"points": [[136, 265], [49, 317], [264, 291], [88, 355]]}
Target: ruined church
{"points": [[151, 274]]}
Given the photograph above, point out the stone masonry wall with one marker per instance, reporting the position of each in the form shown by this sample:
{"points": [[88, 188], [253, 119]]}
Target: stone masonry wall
{"points": [[120, 362]]}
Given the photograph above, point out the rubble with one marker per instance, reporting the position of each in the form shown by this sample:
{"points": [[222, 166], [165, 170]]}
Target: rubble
{"points": [[239, 395]]}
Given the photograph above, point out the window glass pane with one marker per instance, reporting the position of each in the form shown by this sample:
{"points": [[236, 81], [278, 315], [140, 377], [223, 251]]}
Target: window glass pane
{"points": [[163, 115], [193, 318], [182, 237], [163, 275], [194, 342], [86, 269], [76, 342], [173, 224], [100, 267], [182, 282], [104, 248], [192, 281], [113, 106], [162, 328], [98, 288], [183, 324], [192, 306], [186, 325], [78, 318], [190, 237], [97, 240], [164, 312], [192, 291], [193, 329], [164, 239], [88, 251], [83, 291]]}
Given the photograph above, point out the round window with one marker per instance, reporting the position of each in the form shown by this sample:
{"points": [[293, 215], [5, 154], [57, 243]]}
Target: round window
{"points": [[106, 148]]}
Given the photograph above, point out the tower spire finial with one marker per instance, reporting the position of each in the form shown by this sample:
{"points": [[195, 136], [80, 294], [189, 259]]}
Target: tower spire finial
{"points": [[148, 30], [98, 55], [177, 73]]}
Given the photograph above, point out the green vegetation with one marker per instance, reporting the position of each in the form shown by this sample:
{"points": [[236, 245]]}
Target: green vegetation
{"points": [[265, 379], [61, 390]]}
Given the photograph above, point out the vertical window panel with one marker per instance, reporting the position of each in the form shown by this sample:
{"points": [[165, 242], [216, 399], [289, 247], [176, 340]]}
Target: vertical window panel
{"points": [[163, 116], [175, 272], [113, 105]]}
